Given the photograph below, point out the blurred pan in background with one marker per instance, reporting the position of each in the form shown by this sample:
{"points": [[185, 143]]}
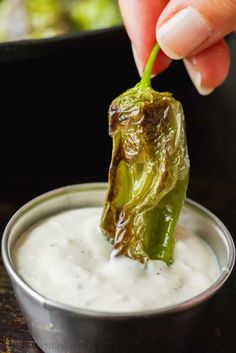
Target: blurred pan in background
{"points": [[36, 28], [27, 19]]}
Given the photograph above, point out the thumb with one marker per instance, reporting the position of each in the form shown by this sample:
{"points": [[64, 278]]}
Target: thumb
{"points": [[187, 27]]}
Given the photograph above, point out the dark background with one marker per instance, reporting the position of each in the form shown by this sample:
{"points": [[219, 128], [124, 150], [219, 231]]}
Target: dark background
{"points": [[54, 102]]}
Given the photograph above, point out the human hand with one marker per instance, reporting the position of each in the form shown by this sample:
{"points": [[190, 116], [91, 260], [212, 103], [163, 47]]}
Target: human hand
{"points": [[191, 30]]}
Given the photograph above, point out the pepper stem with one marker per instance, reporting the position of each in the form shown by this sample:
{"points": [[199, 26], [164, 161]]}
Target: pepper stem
{"points": [[146, 77]]}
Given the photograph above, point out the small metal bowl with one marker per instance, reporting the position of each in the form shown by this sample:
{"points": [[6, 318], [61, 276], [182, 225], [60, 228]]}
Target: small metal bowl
{"points": [[59, 328]]}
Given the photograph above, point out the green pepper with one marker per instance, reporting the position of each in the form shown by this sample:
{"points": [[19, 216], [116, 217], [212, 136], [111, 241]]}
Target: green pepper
{"points": [[94, 14], [5, 10], [149, 171], [46, 18]]}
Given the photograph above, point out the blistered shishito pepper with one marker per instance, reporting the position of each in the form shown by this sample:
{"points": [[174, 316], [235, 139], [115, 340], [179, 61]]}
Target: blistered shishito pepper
{"points": [[149, 171]]}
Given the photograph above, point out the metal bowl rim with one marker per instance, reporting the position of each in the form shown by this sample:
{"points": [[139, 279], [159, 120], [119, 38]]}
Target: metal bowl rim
{"points": [[53, 304]]}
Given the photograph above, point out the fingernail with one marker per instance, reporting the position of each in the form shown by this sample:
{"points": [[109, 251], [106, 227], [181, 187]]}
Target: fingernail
{"points": [[183, 33], [196, 78], [137, 61]]}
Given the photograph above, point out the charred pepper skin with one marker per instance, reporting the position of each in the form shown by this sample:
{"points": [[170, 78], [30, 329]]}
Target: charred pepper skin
{"points": [[148, 174]]}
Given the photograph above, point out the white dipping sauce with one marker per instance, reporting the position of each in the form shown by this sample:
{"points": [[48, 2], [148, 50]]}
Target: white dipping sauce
{"points": [[66, 258]]}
